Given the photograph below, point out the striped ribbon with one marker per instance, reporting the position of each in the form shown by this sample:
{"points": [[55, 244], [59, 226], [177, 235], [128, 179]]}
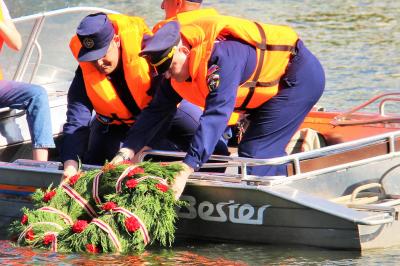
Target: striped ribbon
{"points": [[161, 180], [95, 188], [54, 243], [106, 228], [81, 201], [143, 229], [22, 235], [64, 216], [118, 185]]}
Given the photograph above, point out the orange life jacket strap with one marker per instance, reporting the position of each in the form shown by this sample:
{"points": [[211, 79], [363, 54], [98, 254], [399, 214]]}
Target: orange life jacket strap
{"points": [[106, 120], [263, 46], [251, 84]]}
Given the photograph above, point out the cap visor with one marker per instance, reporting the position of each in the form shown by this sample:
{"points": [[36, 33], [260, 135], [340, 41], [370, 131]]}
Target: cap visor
{"points": [[86, 55]]}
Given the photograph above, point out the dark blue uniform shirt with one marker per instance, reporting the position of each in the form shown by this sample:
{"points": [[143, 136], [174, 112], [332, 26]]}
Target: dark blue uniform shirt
{"points": [[235, 63]]}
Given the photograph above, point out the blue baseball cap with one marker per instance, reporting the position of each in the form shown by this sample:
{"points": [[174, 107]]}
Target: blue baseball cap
{"points": [[95, 33], [160, 48]]}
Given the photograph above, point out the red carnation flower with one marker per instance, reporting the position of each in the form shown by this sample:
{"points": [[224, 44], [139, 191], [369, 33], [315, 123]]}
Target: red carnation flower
{"points": [[24, 219], [30, 235], [132, 224], [131, 183], [49, 195], [91, 248], [74, 179], [162, 187], [79, 226], [108, 206], [48, 239], [135, 171]]}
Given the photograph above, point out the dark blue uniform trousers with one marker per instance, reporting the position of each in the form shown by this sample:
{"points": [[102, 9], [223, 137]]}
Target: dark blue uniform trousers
{"points": [[274, 123], [105, 140]]}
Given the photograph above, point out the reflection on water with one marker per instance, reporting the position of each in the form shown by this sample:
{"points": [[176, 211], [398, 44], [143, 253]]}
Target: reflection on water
{"points": [[207, 254], [357, 41]]}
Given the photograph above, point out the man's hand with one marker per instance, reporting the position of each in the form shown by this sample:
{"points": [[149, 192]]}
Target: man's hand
{"points": [[124, 154], [70, 168], [180, 180]]}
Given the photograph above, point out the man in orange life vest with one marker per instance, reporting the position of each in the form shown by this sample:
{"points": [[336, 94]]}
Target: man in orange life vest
{"points": [[115, 82], [226, 64]]}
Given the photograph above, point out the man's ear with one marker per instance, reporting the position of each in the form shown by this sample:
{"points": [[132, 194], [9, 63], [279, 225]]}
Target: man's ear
{"points": [[184, 49], [117, 40]]}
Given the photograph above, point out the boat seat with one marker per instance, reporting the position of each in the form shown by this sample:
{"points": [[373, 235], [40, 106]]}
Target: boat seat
{"points": [[359, 196], [305, 139]]}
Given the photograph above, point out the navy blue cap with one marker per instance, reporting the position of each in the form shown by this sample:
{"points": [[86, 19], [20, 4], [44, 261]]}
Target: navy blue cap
{"points": [[160, 48], [95, 33]]}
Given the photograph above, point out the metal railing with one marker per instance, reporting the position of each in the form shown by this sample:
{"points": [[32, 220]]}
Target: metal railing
{"points": [[32, 43], [243, 163], [346, 118]]}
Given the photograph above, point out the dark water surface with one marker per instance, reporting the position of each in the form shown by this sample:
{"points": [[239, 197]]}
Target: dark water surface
{"points": [[358, 43]]}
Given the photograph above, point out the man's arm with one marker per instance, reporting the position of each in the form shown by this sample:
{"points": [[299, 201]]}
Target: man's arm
{"points": [[76, 129], [151, 120], [231, 64], [8, 32]]}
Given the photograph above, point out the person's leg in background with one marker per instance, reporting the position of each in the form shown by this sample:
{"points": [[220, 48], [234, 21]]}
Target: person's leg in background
{"points": [[34, 100]]}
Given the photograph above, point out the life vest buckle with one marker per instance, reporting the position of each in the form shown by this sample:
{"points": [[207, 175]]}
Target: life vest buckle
{"points": [[104, 119]]}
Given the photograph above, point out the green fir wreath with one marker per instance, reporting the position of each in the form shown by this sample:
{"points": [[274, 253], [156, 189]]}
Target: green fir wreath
{"points": [[119, 208]]}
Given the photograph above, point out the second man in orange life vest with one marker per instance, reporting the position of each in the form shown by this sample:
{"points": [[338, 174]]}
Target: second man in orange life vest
{"points": [[115, 82], [233, 64]]}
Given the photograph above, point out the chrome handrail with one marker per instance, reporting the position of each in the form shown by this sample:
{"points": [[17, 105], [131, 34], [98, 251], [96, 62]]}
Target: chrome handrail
{"points": [[340, 120], [36, 30], [229, 161]]}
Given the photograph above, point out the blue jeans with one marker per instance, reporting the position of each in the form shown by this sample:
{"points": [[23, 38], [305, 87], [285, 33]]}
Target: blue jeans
{"points": [[33, 99]]}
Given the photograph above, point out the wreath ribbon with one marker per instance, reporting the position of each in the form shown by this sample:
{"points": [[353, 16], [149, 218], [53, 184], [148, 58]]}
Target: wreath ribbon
{"points": [[143, 229], [64, 216], [106, 228], [22, 235], [81, 201]]}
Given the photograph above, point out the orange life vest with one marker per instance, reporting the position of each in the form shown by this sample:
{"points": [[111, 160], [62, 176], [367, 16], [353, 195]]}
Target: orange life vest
{"points": [[274, 45], [1, 39], [186, 17], [100, 90]]}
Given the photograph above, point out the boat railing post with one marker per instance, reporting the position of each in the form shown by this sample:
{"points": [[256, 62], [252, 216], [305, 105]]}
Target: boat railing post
{"points": [[243, 170], [297, 169], [22, 65], [383, 103], [392, 143], [36, 67]]}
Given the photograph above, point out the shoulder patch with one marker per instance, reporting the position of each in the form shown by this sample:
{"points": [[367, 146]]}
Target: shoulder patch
{"points": [[213, 77]]}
